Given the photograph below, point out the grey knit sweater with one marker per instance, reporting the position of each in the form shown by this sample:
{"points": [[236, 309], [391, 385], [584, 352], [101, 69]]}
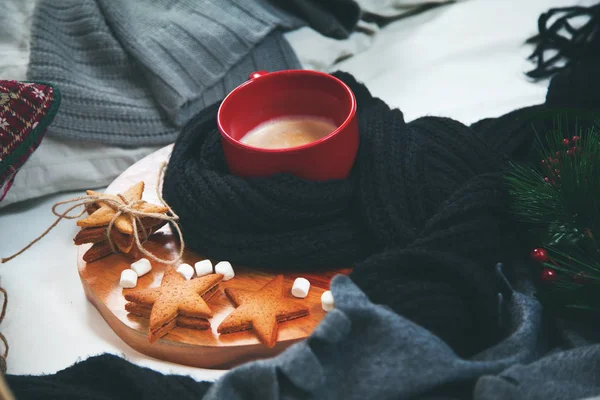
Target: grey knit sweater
{"points": [[133, 72]]}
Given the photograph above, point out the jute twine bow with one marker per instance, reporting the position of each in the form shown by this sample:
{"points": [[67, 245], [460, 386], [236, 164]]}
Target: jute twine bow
{"points": [[122, 207]]}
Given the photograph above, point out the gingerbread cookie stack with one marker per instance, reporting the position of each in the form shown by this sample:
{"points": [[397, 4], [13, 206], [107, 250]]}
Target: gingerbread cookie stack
{"points": [[176, 302], [261, 311], [95, 227]]}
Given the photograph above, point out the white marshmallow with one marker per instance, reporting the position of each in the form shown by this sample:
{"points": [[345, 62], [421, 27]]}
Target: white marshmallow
{"points": [[141, 266], [225, 268], [327, 301], [186, 271], [128, 279], [203, 267], [300, 288]]}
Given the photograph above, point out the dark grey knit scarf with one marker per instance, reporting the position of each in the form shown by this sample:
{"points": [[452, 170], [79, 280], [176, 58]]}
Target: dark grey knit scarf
{"points": [[423, 217]]}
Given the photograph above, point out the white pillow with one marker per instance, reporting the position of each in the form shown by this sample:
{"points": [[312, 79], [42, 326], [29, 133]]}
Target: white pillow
{"points": [[63, 165]]}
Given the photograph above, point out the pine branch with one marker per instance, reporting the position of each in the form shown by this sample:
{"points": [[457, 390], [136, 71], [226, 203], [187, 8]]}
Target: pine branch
{"points": [[562, 194], [559, 199]]}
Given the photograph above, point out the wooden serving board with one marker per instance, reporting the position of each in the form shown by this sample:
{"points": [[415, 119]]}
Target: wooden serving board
{"points": [[206, 349]]}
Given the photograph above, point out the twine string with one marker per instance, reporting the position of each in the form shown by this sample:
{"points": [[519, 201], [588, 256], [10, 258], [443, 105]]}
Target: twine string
{"points": [[2, 313]]}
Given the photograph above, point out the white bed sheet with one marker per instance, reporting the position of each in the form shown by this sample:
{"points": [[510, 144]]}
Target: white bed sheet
{"points": [[464, 61]]}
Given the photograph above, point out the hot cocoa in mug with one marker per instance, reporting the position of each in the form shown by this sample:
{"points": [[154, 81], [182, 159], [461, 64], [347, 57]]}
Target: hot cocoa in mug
{"points": [[289, 131], [298, 122]]}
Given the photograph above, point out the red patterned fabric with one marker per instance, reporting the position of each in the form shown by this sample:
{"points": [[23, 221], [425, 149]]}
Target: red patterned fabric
{"points": [[26, 111]]}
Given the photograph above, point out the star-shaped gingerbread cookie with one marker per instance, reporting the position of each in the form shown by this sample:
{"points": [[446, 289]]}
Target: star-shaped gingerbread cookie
{"points": [[95, 226], [175, 297], [124, 223], [261, 311]]}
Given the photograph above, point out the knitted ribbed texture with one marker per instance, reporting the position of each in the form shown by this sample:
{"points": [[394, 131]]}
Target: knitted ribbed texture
{"points": [[426, 199], [133, 72]]}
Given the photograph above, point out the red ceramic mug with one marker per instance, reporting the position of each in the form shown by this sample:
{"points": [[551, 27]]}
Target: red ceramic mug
{"points": [[270, 95]]}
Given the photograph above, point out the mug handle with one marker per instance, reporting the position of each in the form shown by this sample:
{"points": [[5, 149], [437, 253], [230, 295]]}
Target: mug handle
{"points": [[257, 74]]}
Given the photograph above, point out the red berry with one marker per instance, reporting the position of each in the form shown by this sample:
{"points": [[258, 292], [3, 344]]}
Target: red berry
{"points": [[539, 255], [566, 142], [548, 275], [569, 152], [574, 149], [575, 138], [547, 180]]}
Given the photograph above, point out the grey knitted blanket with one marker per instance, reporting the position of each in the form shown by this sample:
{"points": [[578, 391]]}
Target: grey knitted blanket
{"points": [[133, 72], [365, 351]]}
